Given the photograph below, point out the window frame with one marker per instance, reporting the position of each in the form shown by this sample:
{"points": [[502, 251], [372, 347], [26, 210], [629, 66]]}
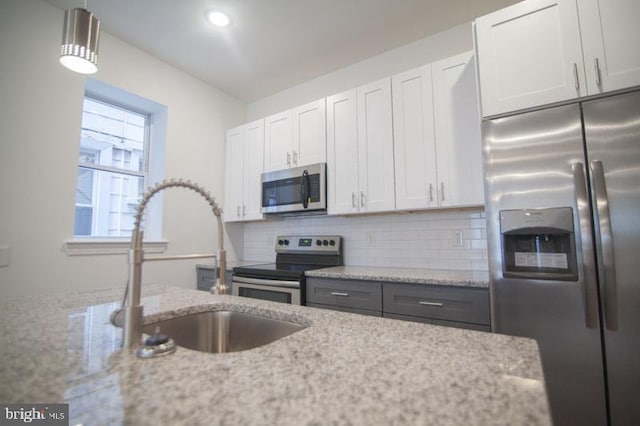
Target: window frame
{"points": [[153, 171]]}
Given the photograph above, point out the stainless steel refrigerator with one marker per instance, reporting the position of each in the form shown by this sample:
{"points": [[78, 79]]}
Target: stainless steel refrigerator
{"points": [[562, 189]]}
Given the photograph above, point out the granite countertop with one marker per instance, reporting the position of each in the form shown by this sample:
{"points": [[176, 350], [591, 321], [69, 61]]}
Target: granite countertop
{"points": [[405, 275], [342, 369]]}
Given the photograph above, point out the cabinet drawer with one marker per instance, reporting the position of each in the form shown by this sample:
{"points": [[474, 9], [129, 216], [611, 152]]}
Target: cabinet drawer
{"points": [[345, 309], [345, 293], [470, 305]]}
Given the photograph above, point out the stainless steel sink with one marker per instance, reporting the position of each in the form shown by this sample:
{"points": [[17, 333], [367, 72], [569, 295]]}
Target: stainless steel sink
{"points": [[223, 331]]}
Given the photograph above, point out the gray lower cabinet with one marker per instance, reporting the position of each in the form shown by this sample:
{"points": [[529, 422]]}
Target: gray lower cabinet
{"points": [[207, 277], [464, 307], [362, 297]]}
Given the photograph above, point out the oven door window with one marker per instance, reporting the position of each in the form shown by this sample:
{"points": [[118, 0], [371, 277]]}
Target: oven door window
{"points": [[274, 296]]}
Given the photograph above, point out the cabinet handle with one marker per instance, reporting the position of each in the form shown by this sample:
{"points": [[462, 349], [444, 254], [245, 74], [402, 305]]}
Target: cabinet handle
{"points": [[431, 192], [288, 160], [575, 75], [596, 66], [238, 210], [338, 293], [244, 210], [361, 199], [295, 158], [438, 304], [353, 200], [442, 190]]}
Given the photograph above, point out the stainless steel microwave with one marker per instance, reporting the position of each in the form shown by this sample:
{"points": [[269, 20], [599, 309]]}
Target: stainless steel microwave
{"points": [[299, 189]]}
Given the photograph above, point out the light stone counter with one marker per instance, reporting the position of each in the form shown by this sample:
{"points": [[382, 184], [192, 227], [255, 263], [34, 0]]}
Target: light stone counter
{"points": [[405, 275], [342, 369]]}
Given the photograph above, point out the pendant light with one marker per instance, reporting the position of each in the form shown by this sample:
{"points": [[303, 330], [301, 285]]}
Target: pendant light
{"points": [[80, 38]]}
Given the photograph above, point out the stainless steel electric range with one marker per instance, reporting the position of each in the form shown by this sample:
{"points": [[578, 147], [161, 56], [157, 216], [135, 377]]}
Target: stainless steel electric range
{"points": [[284, 280]]}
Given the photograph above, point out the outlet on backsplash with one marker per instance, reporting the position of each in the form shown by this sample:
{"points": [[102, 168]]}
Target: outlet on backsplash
{"points": [[371, 239], [457, 239]]}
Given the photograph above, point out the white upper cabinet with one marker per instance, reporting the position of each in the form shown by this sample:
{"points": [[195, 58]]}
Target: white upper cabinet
{"points": [[457, 132], [529, 54], [253, 167], [611, 43], [360, 150], [234, 166], [296, 137], [342, 153], [309, 134], [244, 165], [278, 141], [538, 52], [375, 148], [414, 139]]}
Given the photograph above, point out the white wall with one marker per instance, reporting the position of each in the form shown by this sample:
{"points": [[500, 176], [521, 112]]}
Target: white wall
{"points": [[429, 239], [439, 46], [40, 114]]}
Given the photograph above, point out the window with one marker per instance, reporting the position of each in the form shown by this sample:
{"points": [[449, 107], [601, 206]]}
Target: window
{"points": [[112, 169], [121, 153]]}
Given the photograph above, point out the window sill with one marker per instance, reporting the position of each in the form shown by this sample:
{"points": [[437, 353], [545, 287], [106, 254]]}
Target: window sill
{"points": [[97, 246]]}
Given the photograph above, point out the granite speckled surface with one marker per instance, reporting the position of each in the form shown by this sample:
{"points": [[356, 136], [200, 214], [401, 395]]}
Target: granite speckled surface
{"points": [[342, 369], [405, 275]]}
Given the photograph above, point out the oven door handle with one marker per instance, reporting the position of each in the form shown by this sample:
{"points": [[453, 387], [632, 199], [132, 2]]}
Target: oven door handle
{"points": [[271, 283]]}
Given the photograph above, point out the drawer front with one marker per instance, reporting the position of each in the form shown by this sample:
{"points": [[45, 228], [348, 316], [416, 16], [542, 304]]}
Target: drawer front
{"points": [[470, 305], [206, 278], [345, 293], [345, 309], [408, 318]]}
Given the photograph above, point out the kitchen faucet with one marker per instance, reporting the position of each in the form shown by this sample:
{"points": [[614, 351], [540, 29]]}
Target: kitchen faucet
{"points": [[131, 307]]}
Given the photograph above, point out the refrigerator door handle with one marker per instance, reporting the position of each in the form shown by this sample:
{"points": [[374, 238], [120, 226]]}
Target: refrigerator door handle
{"points": [[585, 231], [604, 241]]}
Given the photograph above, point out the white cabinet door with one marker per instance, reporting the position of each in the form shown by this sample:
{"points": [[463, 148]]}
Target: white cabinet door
{"points": [[529, 54], [278, 141], [342, 153], [375, 147], [309, 134], [414, 140], [611, 43], [234, 165], [457, 131], [253, 166]]}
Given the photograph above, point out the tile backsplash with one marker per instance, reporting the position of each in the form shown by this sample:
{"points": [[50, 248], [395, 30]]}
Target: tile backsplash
{"points": [[451, 239]]}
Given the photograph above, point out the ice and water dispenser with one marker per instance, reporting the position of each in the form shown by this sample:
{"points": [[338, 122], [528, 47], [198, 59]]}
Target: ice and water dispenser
{"points": [[539, 244]]}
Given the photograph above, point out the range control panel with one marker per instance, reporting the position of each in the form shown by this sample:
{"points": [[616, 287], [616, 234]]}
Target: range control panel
{"points": [[329, 244]]}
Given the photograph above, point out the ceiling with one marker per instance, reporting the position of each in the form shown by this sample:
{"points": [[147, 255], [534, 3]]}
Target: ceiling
{"points": [[275, 44]]}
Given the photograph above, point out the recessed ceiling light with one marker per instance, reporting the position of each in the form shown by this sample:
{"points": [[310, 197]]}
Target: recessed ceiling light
{"points": [[218, 18]]}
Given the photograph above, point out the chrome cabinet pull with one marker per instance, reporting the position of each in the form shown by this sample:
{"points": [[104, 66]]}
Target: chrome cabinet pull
{"points": [[575, 75], [353, 200], [361, 199], [288, 159], [604, 240], [588, 267], [295, 158], [431, 192], [338, 293], [438, 304], [442, 191], [596, 66]]}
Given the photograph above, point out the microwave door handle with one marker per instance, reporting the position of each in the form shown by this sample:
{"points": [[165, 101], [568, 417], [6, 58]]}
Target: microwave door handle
{"points": [[305, 189]]}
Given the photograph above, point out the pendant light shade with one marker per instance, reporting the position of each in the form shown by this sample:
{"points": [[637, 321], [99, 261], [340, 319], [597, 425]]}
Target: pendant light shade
{"points": [[80, 38]]}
